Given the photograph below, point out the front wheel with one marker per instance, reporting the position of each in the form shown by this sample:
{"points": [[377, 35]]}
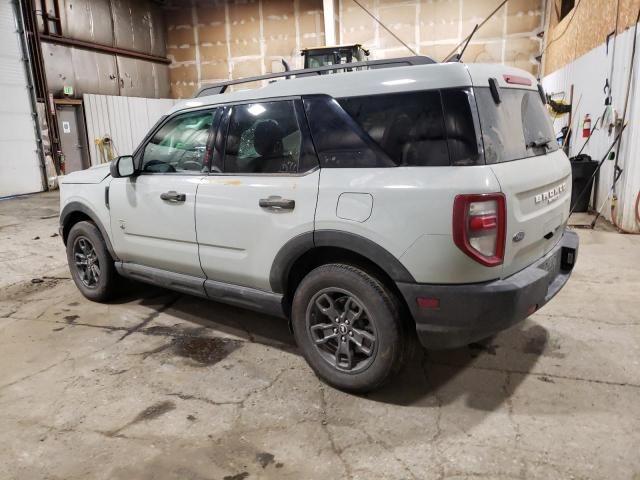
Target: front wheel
{"points": [[90, 264], [348, 326]]}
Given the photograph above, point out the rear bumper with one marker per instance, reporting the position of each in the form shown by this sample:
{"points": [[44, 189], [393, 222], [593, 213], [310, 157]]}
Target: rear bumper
{"points": [[467, 313]]}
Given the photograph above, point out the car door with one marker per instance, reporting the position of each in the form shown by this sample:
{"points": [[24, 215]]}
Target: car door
{"points": [[261, 192], [152, 213]]}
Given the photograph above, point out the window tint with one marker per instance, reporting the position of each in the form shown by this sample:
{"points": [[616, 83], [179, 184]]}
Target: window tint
{"points": [[518, 127], [339, 141], [180, 145], [263, 138], [409, 127], [462, 137]]}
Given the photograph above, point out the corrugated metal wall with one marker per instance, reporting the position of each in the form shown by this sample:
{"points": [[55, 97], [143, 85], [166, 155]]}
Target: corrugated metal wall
{"points": [[126, 120]]}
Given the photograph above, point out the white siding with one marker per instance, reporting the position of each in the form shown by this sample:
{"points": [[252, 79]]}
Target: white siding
{"points": [[588, 75], [19, 162], [125, 119]]}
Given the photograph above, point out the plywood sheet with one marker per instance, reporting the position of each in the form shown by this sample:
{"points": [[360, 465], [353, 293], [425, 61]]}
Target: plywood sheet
{"points": [[583, 29], [439, 20], [401, 20]]}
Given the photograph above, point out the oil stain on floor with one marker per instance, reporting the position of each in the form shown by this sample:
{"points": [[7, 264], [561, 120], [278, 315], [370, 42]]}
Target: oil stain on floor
{"points": [[201, 351]]}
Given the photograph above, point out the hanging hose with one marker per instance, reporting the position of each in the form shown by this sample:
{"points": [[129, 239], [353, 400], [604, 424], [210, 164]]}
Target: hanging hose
{"points": [[106, 149]]}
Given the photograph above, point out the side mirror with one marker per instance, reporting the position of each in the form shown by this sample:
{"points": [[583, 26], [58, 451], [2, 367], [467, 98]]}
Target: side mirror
{"points": [[123, 167]]}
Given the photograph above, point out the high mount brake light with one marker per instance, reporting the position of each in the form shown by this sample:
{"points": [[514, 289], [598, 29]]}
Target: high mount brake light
{"points": [[479, 227], [516, 80]]}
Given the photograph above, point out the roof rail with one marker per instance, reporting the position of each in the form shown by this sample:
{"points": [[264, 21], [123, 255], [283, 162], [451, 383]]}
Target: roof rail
{"points": [[221, 87]]}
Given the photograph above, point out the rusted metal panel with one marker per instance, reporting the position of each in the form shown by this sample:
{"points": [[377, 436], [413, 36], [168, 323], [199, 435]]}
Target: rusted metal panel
{"points": [[138, 25], [158, 35], [136, 78], [130, 24], [84, 70], [58, 67], [88, 20], [94, 72], [161, 78]]}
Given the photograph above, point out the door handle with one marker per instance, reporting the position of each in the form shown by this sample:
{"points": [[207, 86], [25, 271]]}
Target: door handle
{"points": [[173, 196], [275, 202]]}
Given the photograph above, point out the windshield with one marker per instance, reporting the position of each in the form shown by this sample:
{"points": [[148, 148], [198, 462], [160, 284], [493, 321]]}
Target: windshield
{"points": [[518, 127]]}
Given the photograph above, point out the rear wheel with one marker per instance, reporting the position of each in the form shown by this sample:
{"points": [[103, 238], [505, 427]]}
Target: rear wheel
{"points": [[348, 326], [90, 264]]}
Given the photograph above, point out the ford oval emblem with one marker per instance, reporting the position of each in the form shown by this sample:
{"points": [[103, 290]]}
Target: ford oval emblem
{"points": [[518, 236]]}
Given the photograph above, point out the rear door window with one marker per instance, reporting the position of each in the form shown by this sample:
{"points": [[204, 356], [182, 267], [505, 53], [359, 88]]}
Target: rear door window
{"points": [[517, 127], [263, 137]]}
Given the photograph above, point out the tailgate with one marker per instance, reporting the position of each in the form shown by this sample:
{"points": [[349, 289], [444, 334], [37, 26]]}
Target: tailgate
{"points": [[538, 194], [534, 174]]}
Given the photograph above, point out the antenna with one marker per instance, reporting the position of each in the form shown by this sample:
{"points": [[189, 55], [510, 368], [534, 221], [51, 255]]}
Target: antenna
{"points": [[478, 27], [457, 57], [385, 27]]}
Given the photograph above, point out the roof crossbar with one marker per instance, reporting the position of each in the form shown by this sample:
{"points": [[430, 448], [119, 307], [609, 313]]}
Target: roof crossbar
{"points": [[221, 87]]}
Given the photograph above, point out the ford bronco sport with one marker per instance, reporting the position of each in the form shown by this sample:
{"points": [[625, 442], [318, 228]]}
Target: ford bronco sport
{"points": [[360, 206]]}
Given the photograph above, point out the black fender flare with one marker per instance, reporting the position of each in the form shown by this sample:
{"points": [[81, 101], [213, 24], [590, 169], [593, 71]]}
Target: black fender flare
{"points": [[73, 207], [299, 245]]}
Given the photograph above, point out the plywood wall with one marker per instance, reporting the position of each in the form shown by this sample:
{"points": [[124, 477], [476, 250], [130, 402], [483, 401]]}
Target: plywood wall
{"points": [[209, 41], [584, 28], [435, 27]]}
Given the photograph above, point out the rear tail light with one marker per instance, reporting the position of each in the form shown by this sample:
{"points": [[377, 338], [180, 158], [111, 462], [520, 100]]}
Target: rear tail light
{"points": [[479, 227]]}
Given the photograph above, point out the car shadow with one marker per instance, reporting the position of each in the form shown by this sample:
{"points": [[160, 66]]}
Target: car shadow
{"points": [[484, 374]]}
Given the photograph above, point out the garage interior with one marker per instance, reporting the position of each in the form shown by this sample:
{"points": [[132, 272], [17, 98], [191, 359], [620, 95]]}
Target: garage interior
{"points": [[162, 385]]}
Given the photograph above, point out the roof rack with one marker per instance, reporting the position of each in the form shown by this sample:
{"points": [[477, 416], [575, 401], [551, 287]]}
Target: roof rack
{"points": [[221, 87]]}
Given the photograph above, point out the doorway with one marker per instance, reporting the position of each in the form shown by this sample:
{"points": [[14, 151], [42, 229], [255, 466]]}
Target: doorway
{"points": [[73, 135]]}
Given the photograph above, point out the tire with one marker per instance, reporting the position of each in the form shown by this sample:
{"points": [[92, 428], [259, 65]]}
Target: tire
{"points": [[345, 292], [85, 244]]}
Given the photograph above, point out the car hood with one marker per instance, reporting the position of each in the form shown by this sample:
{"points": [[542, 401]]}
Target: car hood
{"points": [[94, 174]]}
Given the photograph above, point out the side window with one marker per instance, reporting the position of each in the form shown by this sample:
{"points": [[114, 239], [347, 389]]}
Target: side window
{"points": [[408, 127], [338, 139], [180, 145], [263, 138]]}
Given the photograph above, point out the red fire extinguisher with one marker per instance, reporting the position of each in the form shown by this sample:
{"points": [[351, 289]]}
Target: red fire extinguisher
{"points": [[586, 126]]}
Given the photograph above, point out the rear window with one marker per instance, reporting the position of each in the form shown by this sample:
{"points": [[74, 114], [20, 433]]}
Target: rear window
{"points": [[517, 127]]}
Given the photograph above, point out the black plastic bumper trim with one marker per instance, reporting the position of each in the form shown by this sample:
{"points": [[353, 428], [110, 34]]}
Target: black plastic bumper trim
{"points": [[470, 312]]}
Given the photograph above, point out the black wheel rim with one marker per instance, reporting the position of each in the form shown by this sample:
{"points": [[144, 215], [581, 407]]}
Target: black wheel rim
{"points": [[86, 262], [341, 330]]}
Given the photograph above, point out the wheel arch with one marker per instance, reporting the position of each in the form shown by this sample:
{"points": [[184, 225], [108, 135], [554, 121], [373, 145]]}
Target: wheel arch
{"points": [[307, 251], [75, 212]]}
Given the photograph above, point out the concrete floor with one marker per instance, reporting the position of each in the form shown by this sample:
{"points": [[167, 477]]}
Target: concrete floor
{"points": [[163, 386]]}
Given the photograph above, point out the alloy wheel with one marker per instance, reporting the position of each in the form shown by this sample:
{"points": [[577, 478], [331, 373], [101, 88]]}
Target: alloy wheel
{"points": [[341, 330], [86, 261]]}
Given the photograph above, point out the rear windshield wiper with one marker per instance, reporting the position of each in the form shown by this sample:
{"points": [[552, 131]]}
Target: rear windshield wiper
{"points": [[541, 142]]}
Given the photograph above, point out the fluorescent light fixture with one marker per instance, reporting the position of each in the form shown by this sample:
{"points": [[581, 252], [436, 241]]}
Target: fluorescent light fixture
{"points": [[193, 103], [400, 81], [256, 109]]}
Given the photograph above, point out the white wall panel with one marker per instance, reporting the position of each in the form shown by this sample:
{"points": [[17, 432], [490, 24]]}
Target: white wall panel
{"points": [[588, 75], [19, 161], [125, 119]]}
